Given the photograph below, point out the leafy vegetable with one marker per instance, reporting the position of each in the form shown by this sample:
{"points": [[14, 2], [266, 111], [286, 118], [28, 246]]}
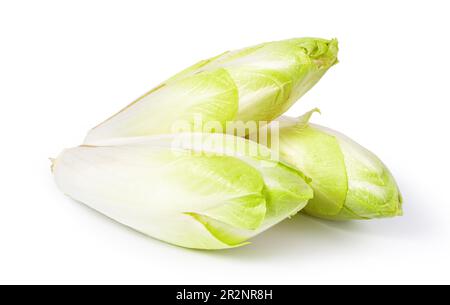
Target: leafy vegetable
{"points": [[215, 192], [349, 181], [258, 83]]}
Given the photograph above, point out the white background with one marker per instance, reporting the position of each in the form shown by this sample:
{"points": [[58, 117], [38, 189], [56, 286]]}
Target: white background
{"points": [[67, 65]]}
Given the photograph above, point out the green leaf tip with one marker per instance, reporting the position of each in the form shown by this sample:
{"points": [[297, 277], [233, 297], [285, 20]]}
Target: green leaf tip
{"points": [[324, 52], [257, 83]]}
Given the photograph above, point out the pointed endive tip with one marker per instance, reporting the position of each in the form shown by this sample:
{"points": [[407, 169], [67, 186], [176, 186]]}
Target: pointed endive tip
{"points": [[333, 50]]}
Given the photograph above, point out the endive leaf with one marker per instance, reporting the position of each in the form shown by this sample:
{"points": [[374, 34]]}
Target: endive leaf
{"points": [[258, 83]]}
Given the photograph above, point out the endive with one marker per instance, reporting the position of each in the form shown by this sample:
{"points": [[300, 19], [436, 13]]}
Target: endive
{"points": [[257, 83], [211, 196], [349, 181]]}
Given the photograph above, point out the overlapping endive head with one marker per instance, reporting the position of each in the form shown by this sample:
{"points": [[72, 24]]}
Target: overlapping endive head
{"points": [[349, 181], [212, 193], [258, 83]]}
